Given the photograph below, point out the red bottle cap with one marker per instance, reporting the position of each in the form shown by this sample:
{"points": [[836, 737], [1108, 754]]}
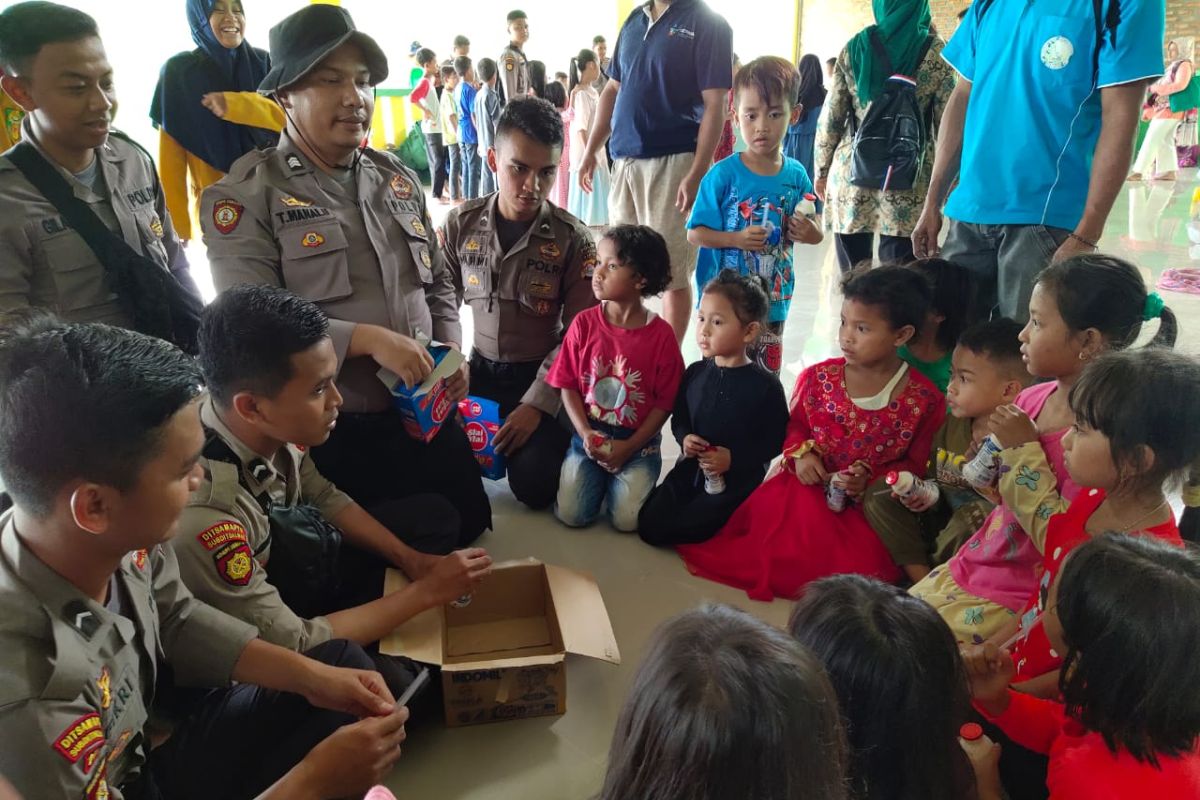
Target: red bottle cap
{"points": [[972, 732], [892, 478]]}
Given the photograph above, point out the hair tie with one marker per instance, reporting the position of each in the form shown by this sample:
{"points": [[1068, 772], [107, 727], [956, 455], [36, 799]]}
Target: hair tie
{"points": [[1154, 307]]}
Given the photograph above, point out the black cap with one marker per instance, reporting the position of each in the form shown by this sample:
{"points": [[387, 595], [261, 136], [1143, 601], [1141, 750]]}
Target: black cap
{"points": [[301, 41]]}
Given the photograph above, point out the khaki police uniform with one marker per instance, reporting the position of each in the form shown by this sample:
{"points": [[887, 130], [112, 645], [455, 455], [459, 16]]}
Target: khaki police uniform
{"points": [[46, 264], [79, 677], [224, 537], [522, 302], [363, 251], [514, 73]]}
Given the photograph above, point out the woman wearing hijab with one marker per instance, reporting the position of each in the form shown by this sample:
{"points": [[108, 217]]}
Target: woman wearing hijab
{"points": [[802, 137], [207, 109], [1165, 95], [855, 214]]}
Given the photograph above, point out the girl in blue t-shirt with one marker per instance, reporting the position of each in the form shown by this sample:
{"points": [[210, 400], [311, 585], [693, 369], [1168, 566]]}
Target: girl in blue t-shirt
{"points": [[752, 207]]}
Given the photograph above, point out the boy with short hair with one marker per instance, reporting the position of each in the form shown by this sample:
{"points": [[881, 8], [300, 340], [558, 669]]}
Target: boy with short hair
{"points": [[462, 46], [748, 211], [987, 372], [515, 81], [425, 97], [449, 111], [485, 113], [468, 139]]}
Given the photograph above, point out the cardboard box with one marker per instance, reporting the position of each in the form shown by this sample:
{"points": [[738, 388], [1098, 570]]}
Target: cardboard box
{"points": [[482, 421], [503, 655], [427, 406]]}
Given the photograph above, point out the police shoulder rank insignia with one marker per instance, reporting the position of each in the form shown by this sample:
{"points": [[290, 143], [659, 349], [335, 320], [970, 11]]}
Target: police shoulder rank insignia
{"points": [[157, 227], [294, 163], [104, 685], [80, 738], [294, 202], [312, 239], [401, 187], [550, 250], [226, 215]]}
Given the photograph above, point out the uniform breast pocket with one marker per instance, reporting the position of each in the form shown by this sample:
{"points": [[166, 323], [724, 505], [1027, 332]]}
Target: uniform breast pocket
{"points": [[476, 280], [315, 261], [416, 232], [538, 293], [79, 278], [1063, 47]]}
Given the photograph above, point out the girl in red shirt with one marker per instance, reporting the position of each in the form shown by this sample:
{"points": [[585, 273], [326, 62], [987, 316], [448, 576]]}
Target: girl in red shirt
{"points": [[1123, 613]]}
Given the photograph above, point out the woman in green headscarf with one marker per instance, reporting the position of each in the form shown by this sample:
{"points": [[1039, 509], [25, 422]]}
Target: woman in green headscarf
{"points": [[855, 214]]}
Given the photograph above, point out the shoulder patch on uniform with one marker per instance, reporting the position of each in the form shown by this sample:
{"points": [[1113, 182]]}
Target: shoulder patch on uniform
{"points": [[222, 534], [81, 737], [226, 215], [401, 187], [235, 563], [510, 63]]}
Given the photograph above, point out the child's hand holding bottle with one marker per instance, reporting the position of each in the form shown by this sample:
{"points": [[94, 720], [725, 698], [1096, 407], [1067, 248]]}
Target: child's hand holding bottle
{"points": [[803, 229], [753, 238], [715, 460], [854, 480], [694, 446], [1012, 427]]}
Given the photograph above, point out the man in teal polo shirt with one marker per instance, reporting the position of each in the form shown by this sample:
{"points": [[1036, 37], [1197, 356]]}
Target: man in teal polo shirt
{"points": [[1039, 134]]}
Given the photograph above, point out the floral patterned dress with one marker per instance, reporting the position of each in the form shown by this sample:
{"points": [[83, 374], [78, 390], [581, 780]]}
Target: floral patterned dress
{"points": [[784, 536], [853, 209]]}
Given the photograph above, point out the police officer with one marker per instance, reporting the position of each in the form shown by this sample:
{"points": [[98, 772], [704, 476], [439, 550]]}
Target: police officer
{"points": [[266, 354], [101, 436], [514, 67], [54, 66], [524, 267], [346, 226]]}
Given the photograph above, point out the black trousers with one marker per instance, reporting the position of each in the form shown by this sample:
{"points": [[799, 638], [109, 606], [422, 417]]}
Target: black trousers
{"points": [[436, 153], [533, 470], [237, 742], [679, 511], [855, 248], [372, 459]]}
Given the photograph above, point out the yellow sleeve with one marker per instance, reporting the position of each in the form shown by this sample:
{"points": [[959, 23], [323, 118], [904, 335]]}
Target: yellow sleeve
{"points": [[251, 108], [1030, 490], [173, 172]]}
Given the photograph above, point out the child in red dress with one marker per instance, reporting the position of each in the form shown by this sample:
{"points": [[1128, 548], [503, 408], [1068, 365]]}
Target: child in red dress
{"points": [[852, 418]]}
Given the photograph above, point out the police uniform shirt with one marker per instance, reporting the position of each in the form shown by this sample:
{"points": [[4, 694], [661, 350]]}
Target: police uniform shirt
{"points": [[514, 73], [362, 251], [223, 541], [522, 300], [45, 264], [79, 677]]}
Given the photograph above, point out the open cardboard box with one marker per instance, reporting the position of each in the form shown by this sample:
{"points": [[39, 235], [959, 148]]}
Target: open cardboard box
{"points": [[502, 655], [426, 406]]}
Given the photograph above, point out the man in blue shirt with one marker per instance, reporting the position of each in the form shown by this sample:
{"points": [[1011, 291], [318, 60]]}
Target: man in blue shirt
{"points": [[664, 105], [1038, 133]]}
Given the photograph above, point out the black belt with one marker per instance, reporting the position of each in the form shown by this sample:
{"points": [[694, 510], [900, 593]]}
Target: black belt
{"points": [[505, 370]]}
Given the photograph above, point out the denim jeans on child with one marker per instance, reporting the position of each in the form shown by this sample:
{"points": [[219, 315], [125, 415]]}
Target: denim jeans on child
{"points": [[583, 484], [470, 170]]}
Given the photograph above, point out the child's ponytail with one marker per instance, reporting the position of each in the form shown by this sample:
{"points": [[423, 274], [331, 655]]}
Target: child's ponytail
{"points": [[579, 64], [1108, 294]]}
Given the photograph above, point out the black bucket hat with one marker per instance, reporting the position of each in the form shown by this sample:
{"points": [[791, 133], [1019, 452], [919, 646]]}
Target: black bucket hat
{"points": [[304, 39]]}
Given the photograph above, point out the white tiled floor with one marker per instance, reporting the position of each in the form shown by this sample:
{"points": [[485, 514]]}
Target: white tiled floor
{"points": [[563, 757]]}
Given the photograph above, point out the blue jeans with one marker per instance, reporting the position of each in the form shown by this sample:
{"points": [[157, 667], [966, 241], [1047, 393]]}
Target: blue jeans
{"points": [[470, 170], [583, 485]]}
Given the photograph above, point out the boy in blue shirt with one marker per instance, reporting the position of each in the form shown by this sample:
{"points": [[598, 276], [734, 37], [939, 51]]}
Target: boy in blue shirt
{"points": [[468, 139], [746, 201]]}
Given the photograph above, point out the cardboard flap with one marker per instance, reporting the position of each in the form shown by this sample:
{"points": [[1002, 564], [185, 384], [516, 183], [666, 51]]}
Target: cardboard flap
{"points": [[506, 663], [421, 637], [586, 628], [448, 361]]}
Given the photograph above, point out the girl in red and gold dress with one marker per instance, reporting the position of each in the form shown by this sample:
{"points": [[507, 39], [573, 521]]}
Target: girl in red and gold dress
{"points": [[852, 418]]}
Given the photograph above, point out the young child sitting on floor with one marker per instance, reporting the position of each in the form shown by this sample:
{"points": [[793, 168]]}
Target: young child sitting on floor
{"points": [[618, 368], [852, 418], [949, 314], [730, 418], [727, 707], [987, 372], [1123, 615]]}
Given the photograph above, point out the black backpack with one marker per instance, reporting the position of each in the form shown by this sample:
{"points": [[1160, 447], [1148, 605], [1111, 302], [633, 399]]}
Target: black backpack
{"points": [[889, 146]]}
